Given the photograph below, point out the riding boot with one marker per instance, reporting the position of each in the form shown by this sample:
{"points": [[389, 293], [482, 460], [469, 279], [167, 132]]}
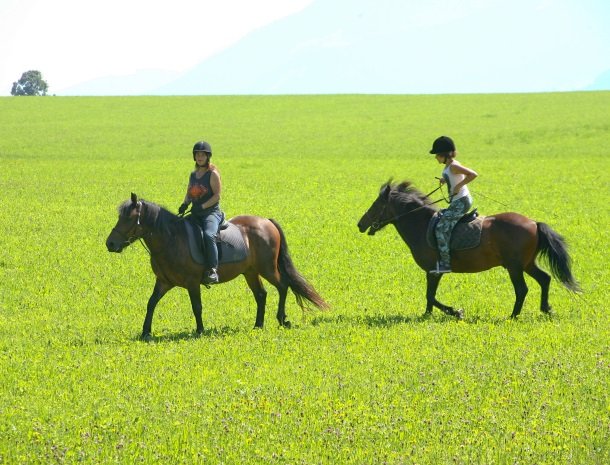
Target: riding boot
{"points": [[441, 268], [210, 276]]}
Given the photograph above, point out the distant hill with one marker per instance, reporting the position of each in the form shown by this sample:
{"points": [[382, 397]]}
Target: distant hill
{"points": [[601, 83], [143, 82], [393, 47], [358, 46]]}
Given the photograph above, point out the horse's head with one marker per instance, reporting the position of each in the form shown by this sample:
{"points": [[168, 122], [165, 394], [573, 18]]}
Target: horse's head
{"points": [[128, 228], [379, 214], [395, 202]]}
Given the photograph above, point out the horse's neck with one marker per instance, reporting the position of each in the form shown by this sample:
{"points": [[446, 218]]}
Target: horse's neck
{"points": [[155, 242], [150, 214], [157, 237], [412, 228]]}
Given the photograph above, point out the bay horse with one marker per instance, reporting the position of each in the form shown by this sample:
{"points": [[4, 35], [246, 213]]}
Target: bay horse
{"points": [[166, 239], [510, 240]]}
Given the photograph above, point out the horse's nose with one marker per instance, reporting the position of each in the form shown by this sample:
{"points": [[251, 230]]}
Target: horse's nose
{"points": [[112, 246], [361, 226]]}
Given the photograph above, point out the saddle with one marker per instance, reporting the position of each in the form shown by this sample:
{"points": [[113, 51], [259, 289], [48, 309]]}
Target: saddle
{"points": [[465, 235], [230, 243]]}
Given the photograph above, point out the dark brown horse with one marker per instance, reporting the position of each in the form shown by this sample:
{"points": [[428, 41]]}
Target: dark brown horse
{"points": [[509, 240], [165, 236]]}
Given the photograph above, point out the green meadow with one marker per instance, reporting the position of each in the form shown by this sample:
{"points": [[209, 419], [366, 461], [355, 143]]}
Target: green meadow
{"points": [[368, 382]]}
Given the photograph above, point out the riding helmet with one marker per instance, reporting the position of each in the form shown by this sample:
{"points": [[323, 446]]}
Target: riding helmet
{"points": [[442, 145], [202, 146]]}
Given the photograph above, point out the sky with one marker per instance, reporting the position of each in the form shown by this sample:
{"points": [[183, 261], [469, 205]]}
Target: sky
{"points": [[75, 41], [72, 41]]}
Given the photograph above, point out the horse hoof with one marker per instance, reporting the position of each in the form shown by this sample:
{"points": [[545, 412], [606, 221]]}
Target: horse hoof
{"points": [[287, 324], [459, 314], [146, 337]]}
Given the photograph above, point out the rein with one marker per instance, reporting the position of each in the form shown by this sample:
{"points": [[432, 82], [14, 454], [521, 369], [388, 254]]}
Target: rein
{"points": [[144, 245], [133, 237], [377, 225], [138, 224]]}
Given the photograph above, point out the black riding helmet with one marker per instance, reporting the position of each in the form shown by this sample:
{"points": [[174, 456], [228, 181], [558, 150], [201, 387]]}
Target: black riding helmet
{"points": [[443, 144], [202, 146]]}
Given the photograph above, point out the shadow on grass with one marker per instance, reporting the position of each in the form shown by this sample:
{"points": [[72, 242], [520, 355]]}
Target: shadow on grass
{"points": [[369, 321], [378, 321], [538, 317], [387, 321], [222, 331]]}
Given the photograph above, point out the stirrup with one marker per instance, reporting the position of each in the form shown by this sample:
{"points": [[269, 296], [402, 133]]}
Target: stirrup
{"points": [[210, 276], [441, 268]]}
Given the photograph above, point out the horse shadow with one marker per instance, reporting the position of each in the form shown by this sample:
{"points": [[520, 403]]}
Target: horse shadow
{"points": [[371, 321], [388, 321], [214, 332]]}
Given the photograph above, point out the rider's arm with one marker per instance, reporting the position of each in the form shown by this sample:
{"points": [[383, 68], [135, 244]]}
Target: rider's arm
{"points": [[469, 175]]}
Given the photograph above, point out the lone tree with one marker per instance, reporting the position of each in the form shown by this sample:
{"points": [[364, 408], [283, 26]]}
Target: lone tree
{"points": [[31, 83]]}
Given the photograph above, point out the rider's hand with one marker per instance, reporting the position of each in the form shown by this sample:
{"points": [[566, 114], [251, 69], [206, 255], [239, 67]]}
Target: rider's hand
{"points": [[182, 209]]}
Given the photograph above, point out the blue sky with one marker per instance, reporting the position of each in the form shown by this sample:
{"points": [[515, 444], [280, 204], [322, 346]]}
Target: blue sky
{"points": [[511, 45]]}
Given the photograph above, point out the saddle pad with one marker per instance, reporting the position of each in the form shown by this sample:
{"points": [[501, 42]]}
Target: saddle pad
{"points": [[464, 235], [232, 247]]}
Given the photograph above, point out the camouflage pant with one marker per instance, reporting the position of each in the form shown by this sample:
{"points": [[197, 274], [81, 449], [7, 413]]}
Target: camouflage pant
{"points": [[449, 217]]}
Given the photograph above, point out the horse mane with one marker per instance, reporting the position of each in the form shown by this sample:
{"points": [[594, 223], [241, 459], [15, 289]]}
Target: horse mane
{"points": [[405, 194], [155, 216]]}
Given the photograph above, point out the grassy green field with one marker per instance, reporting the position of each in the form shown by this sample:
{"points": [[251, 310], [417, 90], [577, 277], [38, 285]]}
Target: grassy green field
{"points": [[368, 382]]}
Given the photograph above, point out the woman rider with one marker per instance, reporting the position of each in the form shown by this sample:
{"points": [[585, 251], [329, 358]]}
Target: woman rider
{"points": [[203, 191], [456, 176]]}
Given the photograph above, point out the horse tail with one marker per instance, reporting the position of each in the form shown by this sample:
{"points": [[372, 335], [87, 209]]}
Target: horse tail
{"points": [[554, 249], [290, 276]]}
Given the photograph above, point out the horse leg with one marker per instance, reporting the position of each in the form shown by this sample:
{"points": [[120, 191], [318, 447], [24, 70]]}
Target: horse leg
{"points": [[260, 295], [281, 307], [272, 275], [432, 281], [544, 280], [195, 296], [516, 276], [159, 291]]}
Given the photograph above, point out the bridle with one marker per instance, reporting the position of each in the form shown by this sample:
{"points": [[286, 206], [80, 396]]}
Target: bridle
{"points": [[379, 223], [132, 234]]}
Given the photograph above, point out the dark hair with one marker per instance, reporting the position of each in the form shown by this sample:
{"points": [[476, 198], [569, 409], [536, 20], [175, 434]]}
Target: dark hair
{"points": [[209, 166], [451, 154]]}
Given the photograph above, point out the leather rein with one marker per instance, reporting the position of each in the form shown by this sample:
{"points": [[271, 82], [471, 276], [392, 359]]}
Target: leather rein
{"points": [[134, 237], [377, 225]]}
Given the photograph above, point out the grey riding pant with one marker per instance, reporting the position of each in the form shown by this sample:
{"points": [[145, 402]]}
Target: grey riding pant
{"points": [[449, 217]]}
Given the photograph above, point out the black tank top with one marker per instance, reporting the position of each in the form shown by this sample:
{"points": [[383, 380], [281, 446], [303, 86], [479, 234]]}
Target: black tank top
{"points": [[201, 195]]}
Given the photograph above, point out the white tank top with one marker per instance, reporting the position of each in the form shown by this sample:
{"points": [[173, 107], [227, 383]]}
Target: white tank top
{"points": [[453, 180]]}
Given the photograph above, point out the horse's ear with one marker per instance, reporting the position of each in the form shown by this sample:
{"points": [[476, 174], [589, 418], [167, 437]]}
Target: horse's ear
{"points": [[385, 192], [134, 198]]}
